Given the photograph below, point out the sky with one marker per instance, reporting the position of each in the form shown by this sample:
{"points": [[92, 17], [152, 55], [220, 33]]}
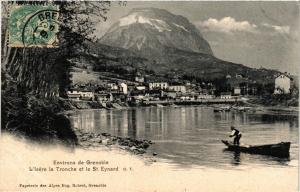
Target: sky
{"points": [[255, 34]]}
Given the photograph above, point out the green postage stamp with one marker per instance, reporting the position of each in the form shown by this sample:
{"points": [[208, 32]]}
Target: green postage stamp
{"points": [[33, 25]]}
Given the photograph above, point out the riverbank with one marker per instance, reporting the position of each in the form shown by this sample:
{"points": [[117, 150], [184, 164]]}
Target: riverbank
{"points": [[255, 102], [88, 140], [273, 106], [274, 101], [133, 174]]}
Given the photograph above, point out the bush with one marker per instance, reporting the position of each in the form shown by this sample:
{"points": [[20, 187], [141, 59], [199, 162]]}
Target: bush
{"points": [[35, 118]]}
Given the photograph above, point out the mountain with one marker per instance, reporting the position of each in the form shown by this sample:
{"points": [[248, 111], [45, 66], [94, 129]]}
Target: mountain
{"points": [[151, 32], [157, 41]]}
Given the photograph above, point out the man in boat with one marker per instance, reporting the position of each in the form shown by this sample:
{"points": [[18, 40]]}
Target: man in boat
{"points": [[236, 134]]}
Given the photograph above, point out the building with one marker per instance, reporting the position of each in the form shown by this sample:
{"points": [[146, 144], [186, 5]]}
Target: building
{"points": [[158, 85], [185, 98], [170, 94], [74, 94], [139, 79], [237, 91], [238, 76], [226, 95], [282, 84], [204, 96], [84, 94], [131, 87], [102, 97], [112, 86], [177, 88], [123, 88], [139, 98], [87, 95], [140, 87]]}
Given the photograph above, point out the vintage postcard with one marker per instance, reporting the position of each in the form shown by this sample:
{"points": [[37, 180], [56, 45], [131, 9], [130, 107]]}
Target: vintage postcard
{"points": [[150, 96]]}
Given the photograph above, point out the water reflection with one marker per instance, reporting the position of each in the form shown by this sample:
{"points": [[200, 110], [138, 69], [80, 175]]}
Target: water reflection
{"points": [[273, 118], [237, 158], [192, 135]]}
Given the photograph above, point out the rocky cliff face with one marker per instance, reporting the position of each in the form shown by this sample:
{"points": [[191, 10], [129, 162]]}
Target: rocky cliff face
{"points": [[151, 31]]}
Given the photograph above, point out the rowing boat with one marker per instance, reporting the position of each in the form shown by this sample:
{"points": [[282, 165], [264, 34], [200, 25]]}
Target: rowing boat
{"points": [[277, 150], [222, 109]]}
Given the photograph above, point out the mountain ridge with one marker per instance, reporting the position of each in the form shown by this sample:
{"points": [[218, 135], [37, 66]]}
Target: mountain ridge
{"points": [[104, 58], [150, 30]]}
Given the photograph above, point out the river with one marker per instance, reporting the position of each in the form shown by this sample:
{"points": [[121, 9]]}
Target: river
{"points": [[190, 136]]}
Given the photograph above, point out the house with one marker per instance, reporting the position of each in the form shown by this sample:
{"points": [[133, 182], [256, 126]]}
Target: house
{"points": [[237, 91], [170, 94], [140, 87], [74, 94], [112, 86], [177, 88], [238, 76], [226, 95], [87, 95], [131, 87], [83, 94], [158, 85], [139, 79], [123, 88], [102, 97], [111, 97], [204, 96], [184, 98], [138, 98], [155, 93], [282, 84]]}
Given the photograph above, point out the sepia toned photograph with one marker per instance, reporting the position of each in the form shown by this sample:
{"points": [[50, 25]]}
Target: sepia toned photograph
{"points": [[150, 96]]}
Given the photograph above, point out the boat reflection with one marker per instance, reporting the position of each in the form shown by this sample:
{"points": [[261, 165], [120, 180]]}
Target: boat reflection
{"points": [[238, 158]]}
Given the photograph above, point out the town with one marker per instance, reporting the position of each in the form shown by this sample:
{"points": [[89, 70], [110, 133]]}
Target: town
{"points": [[143, 92]]}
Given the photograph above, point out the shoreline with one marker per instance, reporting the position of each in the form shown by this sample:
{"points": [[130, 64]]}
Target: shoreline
{"points": [[69, 104], [89, 140], [287, 109]]}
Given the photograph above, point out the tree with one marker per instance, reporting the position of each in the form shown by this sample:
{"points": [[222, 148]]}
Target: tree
{"points": [[32, 78], [45, 72]]}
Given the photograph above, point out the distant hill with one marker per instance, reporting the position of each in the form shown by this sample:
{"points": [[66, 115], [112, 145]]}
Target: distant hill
{"points": [[104, 58]]}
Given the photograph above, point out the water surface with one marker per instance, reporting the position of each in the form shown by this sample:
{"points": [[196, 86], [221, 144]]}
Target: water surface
{"points": [[191, 135]]}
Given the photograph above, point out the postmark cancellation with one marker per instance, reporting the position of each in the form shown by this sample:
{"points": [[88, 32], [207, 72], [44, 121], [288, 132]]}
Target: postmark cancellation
{"points": [[33, 25]]}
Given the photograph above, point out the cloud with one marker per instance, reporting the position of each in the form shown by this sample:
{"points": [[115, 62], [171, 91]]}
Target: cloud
{"points": [[227, 25], [278, 29]]}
